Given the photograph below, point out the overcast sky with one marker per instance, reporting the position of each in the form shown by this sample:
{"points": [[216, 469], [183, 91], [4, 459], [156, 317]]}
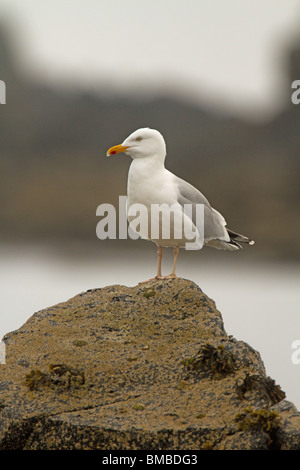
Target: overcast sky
{"points": [[222, 51]]}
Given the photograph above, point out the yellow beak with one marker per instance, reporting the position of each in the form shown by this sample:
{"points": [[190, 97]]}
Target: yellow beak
{"points": [[116, 149]]}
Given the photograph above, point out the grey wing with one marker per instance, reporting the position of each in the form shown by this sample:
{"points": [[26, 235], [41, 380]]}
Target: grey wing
{"points": [[214, 222]]}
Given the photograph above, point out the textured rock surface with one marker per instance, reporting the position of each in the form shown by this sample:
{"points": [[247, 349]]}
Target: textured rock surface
{"points": [[145, 367]]}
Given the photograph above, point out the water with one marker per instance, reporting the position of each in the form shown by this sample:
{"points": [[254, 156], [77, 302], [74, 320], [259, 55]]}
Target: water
{"points": [[259, 302]]}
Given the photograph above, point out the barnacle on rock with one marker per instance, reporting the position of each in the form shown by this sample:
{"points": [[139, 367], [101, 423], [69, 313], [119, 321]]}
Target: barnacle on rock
{"points": [[149, 293], [208, 445], [138, 406], [79, 342]]}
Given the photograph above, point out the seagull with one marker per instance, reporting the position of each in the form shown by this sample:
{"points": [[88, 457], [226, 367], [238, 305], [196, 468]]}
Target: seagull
{"points": [[150, 184]]}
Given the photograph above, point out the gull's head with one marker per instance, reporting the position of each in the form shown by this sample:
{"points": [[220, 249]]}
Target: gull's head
{"points": [[142, 143]]}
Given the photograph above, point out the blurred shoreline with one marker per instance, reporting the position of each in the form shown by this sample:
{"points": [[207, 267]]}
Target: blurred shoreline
{"points": [[54, 173]]}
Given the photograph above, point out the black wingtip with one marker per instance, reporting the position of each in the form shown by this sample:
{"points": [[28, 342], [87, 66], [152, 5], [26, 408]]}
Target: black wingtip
{"points": [[237, 237]]}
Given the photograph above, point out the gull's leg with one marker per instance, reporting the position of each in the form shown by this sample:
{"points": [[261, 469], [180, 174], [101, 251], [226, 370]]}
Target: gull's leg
{"points": [[159, 258], [175, 254]]}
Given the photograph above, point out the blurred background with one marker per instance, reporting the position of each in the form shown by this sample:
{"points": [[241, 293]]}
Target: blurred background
{"points": [[215, 79]]}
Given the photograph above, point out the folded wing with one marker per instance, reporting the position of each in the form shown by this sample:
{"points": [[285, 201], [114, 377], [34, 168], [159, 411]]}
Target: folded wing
{"points": [[216, 233]]}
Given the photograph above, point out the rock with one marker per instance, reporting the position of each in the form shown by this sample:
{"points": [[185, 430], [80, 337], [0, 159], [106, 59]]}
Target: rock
{"points": [[144, 367]]}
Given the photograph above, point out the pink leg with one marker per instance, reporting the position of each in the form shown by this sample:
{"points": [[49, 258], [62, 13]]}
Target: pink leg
{"points": [[159, 259], [175, 254]]}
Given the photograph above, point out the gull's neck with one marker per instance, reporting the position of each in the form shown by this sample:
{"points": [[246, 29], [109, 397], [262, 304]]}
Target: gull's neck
{"points": [[147, 166], [143, 173]]}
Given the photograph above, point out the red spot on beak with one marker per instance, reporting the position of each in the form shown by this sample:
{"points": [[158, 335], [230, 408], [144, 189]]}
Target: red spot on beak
{"points": [[113, 152]]}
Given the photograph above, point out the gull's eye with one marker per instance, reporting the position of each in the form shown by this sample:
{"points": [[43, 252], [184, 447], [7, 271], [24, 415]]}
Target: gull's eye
{"points": [[138, 139]]}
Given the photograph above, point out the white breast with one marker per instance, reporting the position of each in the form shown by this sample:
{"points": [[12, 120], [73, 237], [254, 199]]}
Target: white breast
{"points": [[154, 186], [149, 185]]}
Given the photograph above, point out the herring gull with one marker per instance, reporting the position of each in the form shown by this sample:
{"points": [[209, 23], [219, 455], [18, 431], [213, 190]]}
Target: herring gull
{"points": [[150, 183]]}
